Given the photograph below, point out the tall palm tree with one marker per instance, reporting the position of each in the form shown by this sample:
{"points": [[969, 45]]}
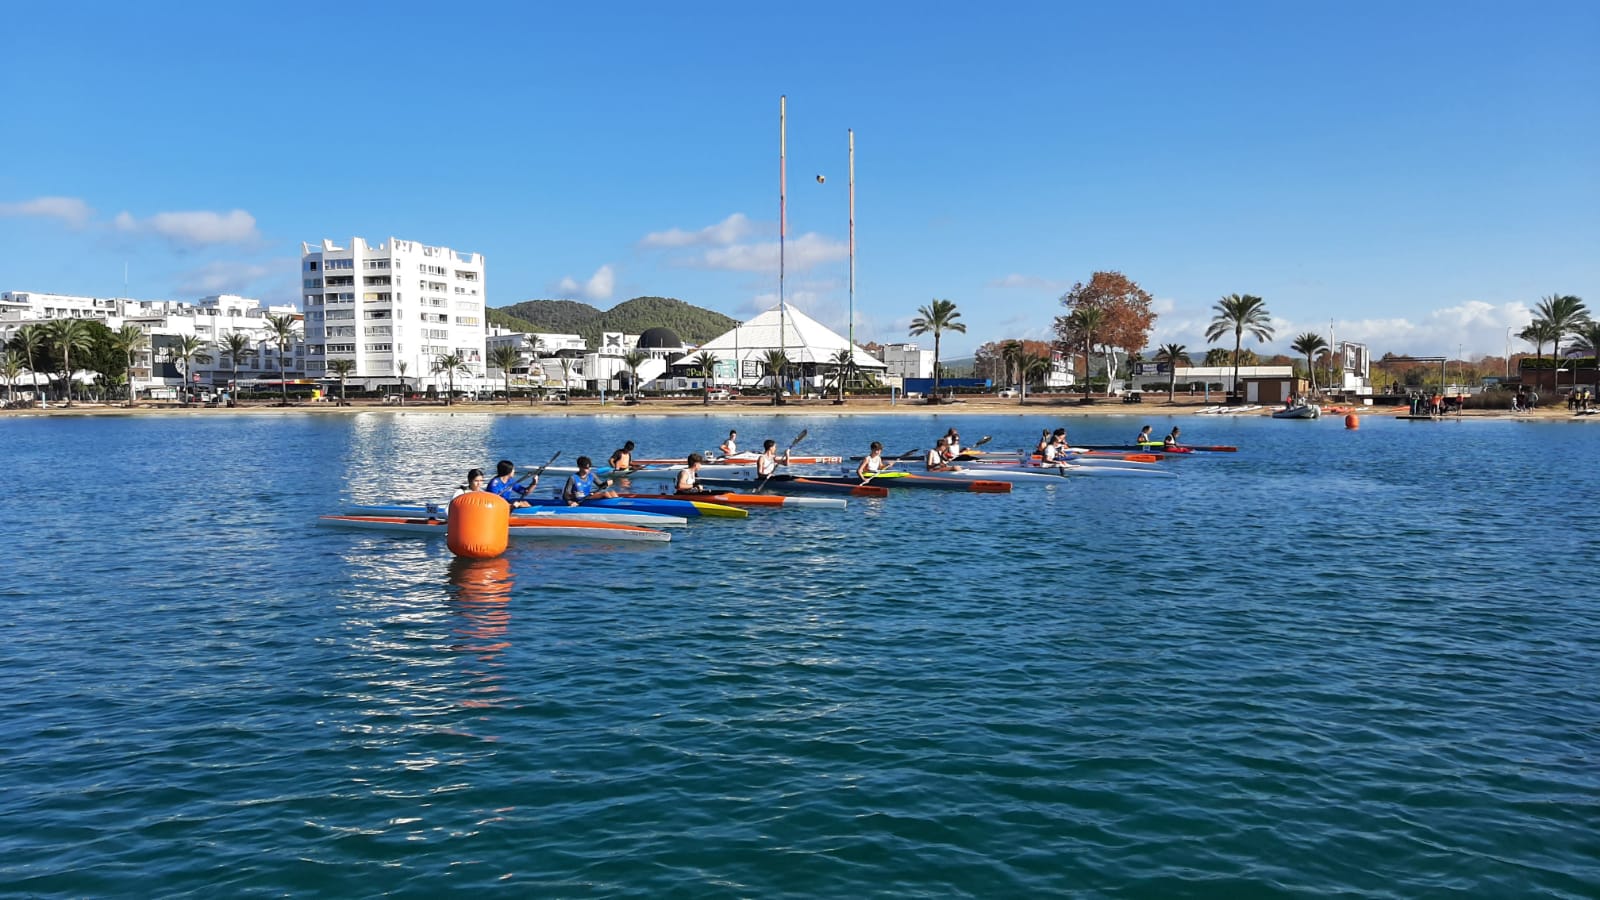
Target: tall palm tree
{"points": [[843, 362], [1029, 366], [68, 335], [1010, 354], [1536, 333], [1310, 343], [1172, 354], [448, 364], [237, 346], [1084, 323], [31, 341], [341, 368], [566, 380], [187, 351], [705, 362], [11, 367], [1240, 313], [776, 362], [282, 327], [401, 367], [505, 358], [938, 317], [130, 339], [633, 361], [1564, 314], [1588, 335]]}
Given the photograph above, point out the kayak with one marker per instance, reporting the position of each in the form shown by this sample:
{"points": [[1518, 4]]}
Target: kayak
{"points": [[642, 518], [1059, 470], [670, 472], [976, 483], [1073, 460], [669, 505], [538, 527], [1155, 447], [797, 484], [740, 459], [756, 500]]}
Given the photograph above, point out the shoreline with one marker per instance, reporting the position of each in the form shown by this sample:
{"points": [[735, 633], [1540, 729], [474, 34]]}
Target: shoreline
{"points": [[694, 407]]}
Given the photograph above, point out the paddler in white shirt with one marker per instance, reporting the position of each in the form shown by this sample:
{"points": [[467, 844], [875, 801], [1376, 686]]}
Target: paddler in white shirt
{"points": [[873, 463], [952, 445], [689, 477], [730, 447], [1144, 437], [938, 459], [767, 463]]}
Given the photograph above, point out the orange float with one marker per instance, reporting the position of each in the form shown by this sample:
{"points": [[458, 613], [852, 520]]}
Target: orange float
{"points": [[478, 526], [1352, 421]]}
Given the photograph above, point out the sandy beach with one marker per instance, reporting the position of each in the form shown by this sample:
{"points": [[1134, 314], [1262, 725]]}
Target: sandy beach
{"points": [[680, 406]]}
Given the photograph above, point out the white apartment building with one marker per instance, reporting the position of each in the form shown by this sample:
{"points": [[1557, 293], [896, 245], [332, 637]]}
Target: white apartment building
{"points": [[398, 304], [156, 370], [906, 360]]}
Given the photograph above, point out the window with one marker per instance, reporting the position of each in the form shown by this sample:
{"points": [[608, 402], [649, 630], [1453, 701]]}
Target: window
{"points": [[311, 265], [339, 264], [341, 348], [313, 282], [466, 320], [379, 348]]}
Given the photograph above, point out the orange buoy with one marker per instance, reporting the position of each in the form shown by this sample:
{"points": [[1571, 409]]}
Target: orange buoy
{"points": [[1352, 421], [478, 526]]}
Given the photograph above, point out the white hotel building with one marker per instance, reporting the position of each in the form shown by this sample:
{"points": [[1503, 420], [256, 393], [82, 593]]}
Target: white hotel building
{"points": [[397, 303]]}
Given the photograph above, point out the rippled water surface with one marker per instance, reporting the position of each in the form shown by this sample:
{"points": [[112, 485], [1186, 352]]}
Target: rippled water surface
{"points": [[1357, 663]]}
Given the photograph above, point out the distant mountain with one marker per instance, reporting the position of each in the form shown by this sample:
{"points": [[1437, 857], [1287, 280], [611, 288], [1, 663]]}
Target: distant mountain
{"points": [[691, 323]]}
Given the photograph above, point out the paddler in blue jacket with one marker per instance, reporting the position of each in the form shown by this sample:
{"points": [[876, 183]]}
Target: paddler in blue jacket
{"points": [[507, 487], [584, 484]]}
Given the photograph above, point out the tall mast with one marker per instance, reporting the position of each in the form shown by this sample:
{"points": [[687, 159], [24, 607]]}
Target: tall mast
{"points": [[783, 228], [852, 321]]}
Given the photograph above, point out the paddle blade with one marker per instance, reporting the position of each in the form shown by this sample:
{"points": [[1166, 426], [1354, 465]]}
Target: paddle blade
{"points": [[981, 441], [799, 437]]}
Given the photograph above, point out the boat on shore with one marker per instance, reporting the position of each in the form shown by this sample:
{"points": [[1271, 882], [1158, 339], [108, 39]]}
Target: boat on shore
{"points": [[1298, 410]]}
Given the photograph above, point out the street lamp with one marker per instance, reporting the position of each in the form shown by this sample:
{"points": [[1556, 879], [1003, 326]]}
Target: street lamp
{"points": [[1508, 351]]}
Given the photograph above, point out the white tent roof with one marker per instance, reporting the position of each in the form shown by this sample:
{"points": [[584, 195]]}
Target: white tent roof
{"points": [[804, 340]]}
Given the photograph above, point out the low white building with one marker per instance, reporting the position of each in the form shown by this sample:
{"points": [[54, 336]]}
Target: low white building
{"points": [[907, 360]]}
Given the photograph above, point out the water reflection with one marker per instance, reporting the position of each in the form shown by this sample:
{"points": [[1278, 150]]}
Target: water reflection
{"points": [[480, 596]]}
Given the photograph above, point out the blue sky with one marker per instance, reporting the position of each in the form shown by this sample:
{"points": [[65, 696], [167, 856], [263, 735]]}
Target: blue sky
{"points": [[1417, 174]]}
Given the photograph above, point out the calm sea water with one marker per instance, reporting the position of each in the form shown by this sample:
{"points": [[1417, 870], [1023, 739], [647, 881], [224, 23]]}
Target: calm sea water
{"points": [[1348, 663]]}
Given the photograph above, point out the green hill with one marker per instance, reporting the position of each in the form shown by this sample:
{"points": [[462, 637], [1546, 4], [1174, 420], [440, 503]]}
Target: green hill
{"points": [[691, 323]]}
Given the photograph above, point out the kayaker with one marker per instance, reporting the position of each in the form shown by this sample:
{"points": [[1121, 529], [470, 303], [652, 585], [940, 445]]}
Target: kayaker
{"points": [[952, 442], [1055, 447], [1144, 437], [1044, 441], [585, 484], [939, 457], [474, 483], [508, 487], [767, 463], [689, 477], [873, 463], [1170, 442], [622, 459], [730, 447]]}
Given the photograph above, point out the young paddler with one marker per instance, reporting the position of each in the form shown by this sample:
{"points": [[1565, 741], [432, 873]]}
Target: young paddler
{"points": [[767, 463], [584, 484], [689, 477], [873, 463], [938, 459]]}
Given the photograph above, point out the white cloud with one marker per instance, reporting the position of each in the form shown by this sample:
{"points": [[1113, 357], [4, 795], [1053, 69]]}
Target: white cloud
{"points": [[600, 286], [802, 253], [197, 227], [1028, 282], [729, 230], [70, 210], [225, 277]]}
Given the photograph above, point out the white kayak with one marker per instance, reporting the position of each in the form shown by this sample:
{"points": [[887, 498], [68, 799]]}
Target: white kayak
{"points": [[523, 527], [659, 473], [1060, 470], [578, 513]]}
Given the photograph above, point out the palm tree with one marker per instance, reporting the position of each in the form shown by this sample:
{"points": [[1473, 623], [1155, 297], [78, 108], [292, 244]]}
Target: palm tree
{"points": [[30, 341], [1239, 313], [843, 362], [237, 346], [633, 361], [1010, 354], [67, 335], [401, 367], [1588, 335], [1172, 354], [1310, 344], [187, 351], [448, 364], [566, 380], [938, 317], [1029, 365], [776, 361], [282, 328], [1084, 323], [130, 339], [341, 368], [1564, 314], [505, 358], [11, 367], [705, 362]]}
